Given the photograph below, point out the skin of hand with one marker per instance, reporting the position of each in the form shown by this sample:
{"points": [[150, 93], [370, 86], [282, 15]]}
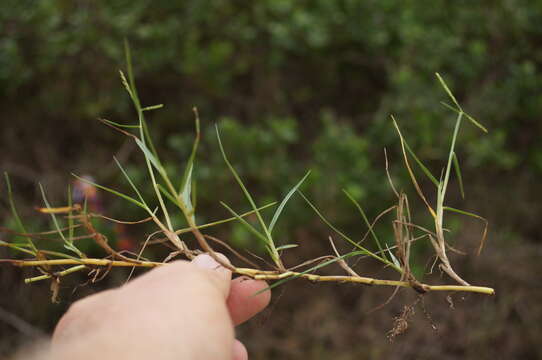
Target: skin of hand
{"points": [[184, 310]]}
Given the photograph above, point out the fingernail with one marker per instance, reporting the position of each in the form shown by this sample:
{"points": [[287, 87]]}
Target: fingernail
{"points": [[220, 273], [205, 261]]}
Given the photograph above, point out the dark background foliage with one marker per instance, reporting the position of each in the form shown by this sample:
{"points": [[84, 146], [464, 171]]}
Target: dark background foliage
{"points": [[294, 85]]}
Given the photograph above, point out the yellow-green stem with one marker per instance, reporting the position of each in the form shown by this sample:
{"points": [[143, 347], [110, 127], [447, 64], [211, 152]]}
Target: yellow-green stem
{"points": [[256, 274]]}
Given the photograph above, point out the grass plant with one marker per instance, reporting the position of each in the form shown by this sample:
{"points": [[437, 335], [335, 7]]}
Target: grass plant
{"points": [[73, 221]]}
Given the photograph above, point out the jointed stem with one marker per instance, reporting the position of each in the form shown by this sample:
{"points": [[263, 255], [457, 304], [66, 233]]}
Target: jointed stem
{"points": [[257, 274], [89, 262]]}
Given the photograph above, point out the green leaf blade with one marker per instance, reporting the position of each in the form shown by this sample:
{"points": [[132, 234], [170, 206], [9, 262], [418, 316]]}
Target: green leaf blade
{"points": [[469, 117], [114, 192], [458, 173], [152, 107], [421, 165], [448, 91], [149, 155], [274, 254], [127, 177], [249, 227], [284, 201], [365, 219], [287, 246]]}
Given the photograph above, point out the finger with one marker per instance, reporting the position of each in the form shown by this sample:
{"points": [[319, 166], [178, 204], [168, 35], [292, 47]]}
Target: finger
{"points": [[239, 351], [213, 268], [243, 303], [176, 273]]}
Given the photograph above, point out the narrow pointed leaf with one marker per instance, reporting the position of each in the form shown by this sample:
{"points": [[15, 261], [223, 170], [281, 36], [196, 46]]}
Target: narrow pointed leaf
{"points": [[161, 170], [167, 194], [68, 243], [214, 223], [469, 117], [486, 224], [130, 84], [287, 246], [128, 126], [17, 247], [149, 155], [463, 212], [269, 240], [152, 107], [125, 173], [476, 123], [15, 214], [459, 177], [60, 255], [446, 179], [392, 257], [250, 228], [53, 216], [421, 165], [361, 248], [284, 201], [115, 192], [186, 183], [365, 219], [187, 190], [448, 91]]}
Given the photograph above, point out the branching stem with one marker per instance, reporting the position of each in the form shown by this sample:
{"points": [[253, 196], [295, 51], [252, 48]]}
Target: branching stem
{"points": [[256, 274]]}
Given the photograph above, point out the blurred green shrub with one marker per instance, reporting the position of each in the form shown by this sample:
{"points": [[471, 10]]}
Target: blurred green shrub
{"points": [[293, 84]]}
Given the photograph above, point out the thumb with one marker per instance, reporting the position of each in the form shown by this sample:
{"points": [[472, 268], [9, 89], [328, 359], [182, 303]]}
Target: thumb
{"points": [[179, 309], [217, 273]]}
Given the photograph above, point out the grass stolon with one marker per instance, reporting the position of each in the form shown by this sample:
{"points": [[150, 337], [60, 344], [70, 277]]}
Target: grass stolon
{"points": [[182, 197]]}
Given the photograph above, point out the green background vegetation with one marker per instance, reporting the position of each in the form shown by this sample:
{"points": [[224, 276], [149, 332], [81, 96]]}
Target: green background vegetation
{"points": [[295, 85]]}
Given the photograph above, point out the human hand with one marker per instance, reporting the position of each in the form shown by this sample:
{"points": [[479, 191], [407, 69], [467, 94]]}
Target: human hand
{"points": [[181, 310]]}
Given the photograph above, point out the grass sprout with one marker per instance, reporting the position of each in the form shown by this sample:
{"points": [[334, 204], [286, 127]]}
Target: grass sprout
{"points": [[270, 244], [438, 240]]}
